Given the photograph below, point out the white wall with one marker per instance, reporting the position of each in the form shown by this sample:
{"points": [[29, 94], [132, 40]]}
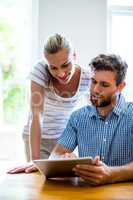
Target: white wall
{"points": [[83, 22], [34, 31]]}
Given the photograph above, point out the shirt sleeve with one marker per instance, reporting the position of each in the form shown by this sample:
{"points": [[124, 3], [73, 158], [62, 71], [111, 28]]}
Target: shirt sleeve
{"points": [[40, 74], [69, 137]]}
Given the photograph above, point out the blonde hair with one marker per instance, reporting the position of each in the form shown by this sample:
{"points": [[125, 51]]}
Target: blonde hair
{"points": [[55, 43]]}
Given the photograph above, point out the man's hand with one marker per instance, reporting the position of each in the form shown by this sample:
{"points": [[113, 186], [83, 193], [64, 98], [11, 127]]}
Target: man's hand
{"points": [[54, 156], [96, 174], [68, 155], [27, 168]]}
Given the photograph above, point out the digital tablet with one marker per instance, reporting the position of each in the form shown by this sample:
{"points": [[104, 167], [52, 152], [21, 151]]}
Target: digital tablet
{"points": [[60, 167]]}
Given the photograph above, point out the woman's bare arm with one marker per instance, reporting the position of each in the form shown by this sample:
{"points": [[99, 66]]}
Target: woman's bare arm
{"points": [[37, 101]]}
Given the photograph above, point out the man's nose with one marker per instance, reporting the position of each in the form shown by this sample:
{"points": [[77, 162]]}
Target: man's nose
{"points": [[97, 89]]}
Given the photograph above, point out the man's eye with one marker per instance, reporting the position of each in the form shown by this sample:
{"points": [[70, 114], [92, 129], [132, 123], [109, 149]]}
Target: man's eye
{"points": [[93, 81], [104, 85]]}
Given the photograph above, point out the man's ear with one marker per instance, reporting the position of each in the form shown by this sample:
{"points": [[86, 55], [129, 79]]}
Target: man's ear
{"points": [[121, 86]]}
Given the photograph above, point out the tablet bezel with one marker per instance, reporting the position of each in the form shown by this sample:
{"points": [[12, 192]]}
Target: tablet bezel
{"points": [[60, 167]]}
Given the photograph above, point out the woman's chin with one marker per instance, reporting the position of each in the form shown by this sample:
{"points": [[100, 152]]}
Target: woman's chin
{"points": [[65, 81]]}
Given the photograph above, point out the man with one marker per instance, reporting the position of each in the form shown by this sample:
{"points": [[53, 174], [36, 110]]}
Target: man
{"points": [[104, 130]]}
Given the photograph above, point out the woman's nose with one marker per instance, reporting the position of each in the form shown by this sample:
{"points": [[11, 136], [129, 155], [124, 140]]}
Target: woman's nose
{"points": [[61, 74]]}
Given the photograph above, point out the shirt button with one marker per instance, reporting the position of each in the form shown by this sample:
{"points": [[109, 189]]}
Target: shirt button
{"points": [[104, 139], [106, 123]]}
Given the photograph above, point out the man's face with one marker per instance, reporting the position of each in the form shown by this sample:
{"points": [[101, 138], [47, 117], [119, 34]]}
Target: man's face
{"points": [[103, 88], [60, 65]]}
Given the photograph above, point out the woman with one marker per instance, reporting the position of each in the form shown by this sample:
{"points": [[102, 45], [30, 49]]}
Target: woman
{"points": [[57, 86]]}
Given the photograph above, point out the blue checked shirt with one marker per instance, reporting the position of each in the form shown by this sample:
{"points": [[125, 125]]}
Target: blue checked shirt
{"points": [[111, 138]]}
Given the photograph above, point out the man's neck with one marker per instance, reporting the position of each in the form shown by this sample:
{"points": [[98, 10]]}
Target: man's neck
{"points": [[103, 112]]}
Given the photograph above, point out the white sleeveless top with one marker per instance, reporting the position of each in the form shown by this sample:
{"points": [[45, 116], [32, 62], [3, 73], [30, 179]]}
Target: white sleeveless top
{"points": [[57, 109]]}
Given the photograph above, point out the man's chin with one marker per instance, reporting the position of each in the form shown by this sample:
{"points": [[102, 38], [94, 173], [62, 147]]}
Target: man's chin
{"points": [[97, 104], [101, 105]]}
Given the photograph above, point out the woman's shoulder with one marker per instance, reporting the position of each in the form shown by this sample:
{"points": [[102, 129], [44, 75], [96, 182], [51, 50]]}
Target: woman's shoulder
{"points": [[84, 71], [85, 76], [40, 73], [41, 65]]}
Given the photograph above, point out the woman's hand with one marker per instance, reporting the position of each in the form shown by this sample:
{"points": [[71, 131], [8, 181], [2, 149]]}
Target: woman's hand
{"points": [[27, 168]]}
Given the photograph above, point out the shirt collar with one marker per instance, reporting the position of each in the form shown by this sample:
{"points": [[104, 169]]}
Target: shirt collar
{"points": [[120, 107]]}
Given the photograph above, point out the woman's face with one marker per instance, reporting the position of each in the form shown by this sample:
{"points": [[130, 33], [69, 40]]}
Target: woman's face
{"points": [[60, 65]]}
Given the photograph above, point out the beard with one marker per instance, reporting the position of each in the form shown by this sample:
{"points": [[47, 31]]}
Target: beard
{"points": [[99, 102]]}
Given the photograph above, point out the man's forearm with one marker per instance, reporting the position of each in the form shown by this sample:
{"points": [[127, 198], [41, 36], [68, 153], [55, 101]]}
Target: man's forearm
{"points": [[58, 151], [122, 173]]}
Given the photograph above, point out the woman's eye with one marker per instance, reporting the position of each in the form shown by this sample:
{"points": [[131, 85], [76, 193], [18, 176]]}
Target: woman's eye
{"points": [[66, 65], [53, 68]]}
